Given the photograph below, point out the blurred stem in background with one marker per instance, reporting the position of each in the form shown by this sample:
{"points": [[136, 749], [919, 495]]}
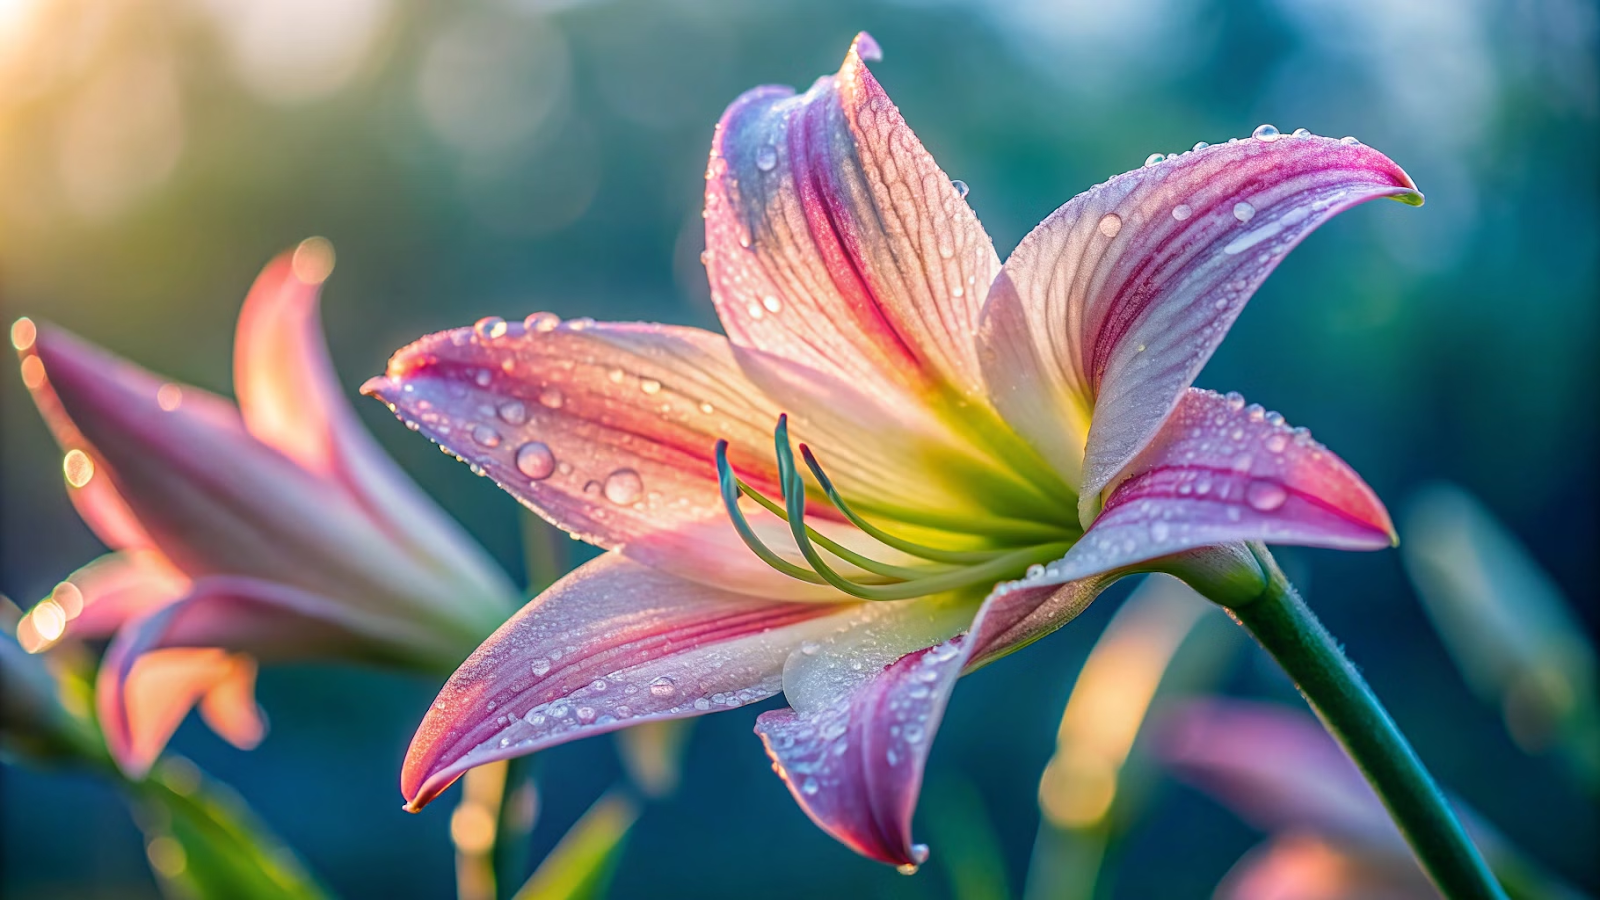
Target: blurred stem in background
{"points": [[1164, 641], [1287, 629], [970, 851], [1511, 632]]}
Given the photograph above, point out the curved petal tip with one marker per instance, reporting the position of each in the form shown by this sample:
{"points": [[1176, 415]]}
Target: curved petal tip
{"points": [[866, 47]]}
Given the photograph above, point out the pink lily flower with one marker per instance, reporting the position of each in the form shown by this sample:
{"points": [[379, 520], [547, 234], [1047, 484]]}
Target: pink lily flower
{"points": [[989, 445], [1330, 836], [273, 530]]}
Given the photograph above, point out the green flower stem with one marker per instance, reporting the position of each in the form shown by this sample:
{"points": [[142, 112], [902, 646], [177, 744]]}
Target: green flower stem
{"points": [[1282, 623]]}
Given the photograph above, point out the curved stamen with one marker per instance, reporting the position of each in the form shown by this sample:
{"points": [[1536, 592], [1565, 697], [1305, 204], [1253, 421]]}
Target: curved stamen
{"points": [[899, 573], [904, 546], [730, 498], [990, 571]]}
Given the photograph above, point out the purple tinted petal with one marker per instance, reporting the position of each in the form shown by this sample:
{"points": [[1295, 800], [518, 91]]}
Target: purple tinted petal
{"points": [[160, 665], [853, 750], [1276, 768], [291, 399], [612, 644], [1117, 300], [1221, 472], [856, 766], [216, 501], [835, 241]]}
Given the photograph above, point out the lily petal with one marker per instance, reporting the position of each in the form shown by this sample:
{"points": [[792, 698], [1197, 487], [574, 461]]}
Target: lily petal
{"points": [[160, 665], [1114, 303], [290, 399], [855, 744], [1221, 472], [609, 431], [612, 644], [215, 500], [229, 707], [1276, 768], [153, 700], [834, 240], [122, 586]]}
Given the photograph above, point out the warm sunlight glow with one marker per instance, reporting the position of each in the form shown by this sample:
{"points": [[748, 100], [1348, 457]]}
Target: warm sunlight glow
{"points": [[167, 856], [49, 619], [79, 468], [28, 636], [1109, 702], [69, 598], [169, 396], [23, 330], [33, 373], [313, 260]]}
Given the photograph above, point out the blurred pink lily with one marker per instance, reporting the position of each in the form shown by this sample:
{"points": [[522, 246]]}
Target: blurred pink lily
{"points": [[1278, 770], [273, 530], [988, 445]]}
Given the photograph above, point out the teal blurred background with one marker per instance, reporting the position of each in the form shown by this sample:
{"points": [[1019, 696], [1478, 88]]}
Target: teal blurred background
{"points": [[470, 159]]}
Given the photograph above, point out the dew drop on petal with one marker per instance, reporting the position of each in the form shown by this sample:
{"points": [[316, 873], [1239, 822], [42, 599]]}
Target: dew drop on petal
{"points": [[490, 327], [766, 158], [1302, 132], [961, 188], [1265, 133], [551, 397], [650, 386], [1200, 145], [485, 436], [535, 460], [1265, 496], [1154, 158], [1243, 211], [707, 408], [540, 666], [1182, 211], [809, 786], [513, 412], [773, 304], [663, 687], [624, 487], [1110, 224], [541, 322], [1348, 141]]}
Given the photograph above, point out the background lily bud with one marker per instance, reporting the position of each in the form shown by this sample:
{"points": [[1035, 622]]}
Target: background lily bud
{"points": [[273, 530]]}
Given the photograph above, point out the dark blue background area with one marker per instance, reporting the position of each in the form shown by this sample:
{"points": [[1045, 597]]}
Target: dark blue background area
{"points": [[1455, 341]]}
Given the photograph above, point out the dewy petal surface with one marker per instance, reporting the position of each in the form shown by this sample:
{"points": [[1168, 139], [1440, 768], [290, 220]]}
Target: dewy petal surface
{"points": [[854, 745], [609, 431], [290, 398], [1221, 472], [1113, 304], [612, 644], [834, 240]]}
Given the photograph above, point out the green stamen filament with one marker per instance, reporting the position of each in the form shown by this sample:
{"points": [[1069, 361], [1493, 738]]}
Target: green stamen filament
{"points": [[953, 569]]}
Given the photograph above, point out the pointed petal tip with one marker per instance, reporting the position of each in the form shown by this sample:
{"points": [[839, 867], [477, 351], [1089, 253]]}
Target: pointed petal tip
{"points": [[378, 386], [865, 47]]}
